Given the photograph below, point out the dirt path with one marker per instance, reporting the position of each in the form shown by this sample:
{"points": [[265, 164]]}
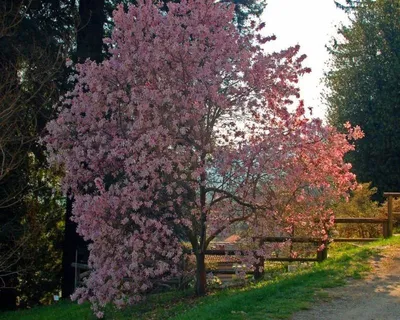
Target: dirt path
{"points": [[375, 298]]}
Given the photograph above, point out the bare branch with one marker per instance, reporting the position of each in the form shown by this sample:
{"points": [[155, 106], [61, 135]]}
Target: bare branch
{"points": [[238, 199]]}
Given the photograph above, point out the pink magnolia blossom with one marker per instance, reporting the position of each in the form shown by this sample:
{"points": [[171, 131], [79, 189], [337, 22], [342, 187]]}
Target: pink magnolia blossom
{"points": [[183, 133]]}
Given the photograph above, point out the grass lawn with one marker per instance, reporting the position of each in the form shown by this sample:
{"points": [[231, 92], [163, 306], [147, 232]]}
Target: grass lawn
{"points": [[277, 298]]}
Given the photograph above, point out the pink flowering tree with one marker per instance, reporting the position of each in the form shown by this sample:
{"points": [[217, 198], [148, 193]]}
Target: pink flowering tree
{"points": [[184, 132]]}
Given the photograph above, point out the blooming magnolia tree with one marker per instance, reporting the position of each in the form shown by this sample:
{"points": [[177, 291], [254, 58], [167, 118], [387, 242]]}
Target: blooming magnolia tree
{"points": [[181, 134]]}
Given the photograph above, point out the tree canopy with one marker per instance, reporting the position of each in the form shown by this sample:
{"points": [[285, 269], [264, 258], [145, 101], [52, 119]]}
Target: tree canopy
{"points": [[187, 129], [364, 88]]}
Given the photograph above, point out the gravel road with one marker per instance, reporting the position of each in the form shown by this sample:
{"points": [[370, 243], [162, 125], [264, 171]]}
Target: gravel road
{"points": [[376, 297]]}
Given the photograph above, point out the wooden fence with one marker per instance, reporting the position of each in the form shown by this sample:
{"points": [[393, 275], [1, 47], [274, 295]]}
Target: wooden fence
{"points": [[225, 267], [230, 266], [386, 229], [387, 222], [321, 255], [391, 215]]}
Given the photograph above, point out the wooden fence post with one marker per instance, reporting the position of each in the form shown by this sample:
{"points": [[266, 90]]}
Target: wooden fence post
{"points": [[385, 229], [76, 275], [323, 254], [259, 266], [390, 215]]}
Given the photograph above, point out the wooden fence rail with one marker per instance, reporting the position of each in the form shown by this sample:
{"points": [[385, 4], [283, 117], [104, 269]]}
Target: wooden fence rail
{"points": [[387, 223], [228, 267], [386, 231]]}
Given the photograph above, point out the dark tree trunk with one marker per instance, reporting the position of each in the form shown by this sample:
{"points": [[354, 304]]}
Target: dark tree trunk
{"points": [[73, 246], [90, 30], [89, 45], [201, 280], [201, 277], [259, 268], [69, 247]]}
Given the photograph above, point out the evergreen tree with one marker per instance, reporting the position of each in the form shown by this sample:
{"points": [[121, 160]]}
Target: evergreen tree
{"points": [[34, 39], [247, 9], [364, 88]]}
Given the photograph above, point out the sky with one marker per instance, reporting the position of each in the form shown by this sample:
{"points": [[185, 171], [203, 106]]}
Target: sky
{"points": [[311, 24]]}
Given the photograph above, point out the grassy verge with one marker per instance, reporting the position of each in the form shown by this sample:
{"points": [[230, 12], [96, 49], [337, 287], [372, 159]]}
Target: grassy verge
{"points": [[277, 298]]}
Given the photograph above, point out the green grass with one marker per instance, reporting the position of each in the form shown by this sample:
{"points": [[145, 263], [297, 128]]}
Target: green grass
{"points": [[62, 310], [276, 298]]}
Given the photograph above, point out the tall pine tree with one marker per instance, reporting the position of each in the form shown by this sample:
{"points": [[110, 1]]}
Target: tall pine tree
{"points": [[364, 88]]}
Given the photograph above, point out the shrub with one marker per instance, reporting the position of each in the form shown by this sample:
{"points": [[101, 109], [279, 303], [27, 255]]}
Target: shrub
{"points": [[359, 205]]}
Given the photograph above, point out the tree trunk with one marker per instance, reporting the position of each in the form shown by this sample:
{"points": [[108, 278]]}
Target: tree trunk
{"points": [[90, 30], [73, 242], [201, 278], [89, 45], [259, 268]]}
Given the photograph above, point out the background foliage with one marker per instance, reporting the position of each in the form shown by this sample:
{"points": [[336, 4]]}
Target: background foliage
{"points": [[364, 88], [360, 205]]}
